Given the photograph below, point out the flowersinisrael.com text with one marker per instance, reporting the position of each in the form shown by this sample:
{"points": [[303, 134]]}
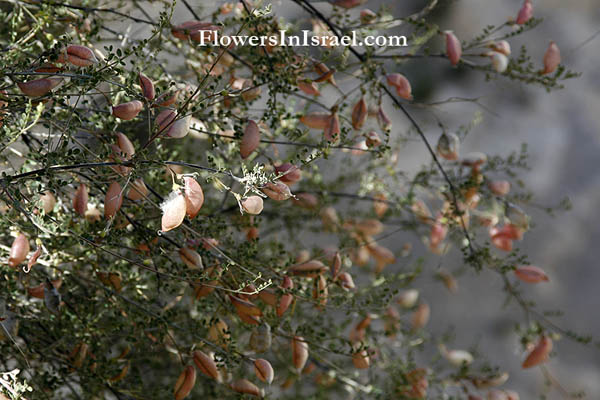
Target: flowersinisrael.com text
{"points": [[214, 38]]}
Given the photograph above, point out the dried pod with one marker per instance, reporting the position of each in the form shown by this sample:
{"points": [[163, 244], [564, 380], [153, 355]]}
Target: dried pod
{"points": [[372, 140], [268, 297], [325, 72], [18, 251], [252, 205], [80, 56], [191, 258], [80, 201], [320, 291], [299, 352], [383, 120], [260, 339], [286, 299], [291, 173], [336, 264], [244, 386], [525, 13], [539, 354], [551, 58], [250, 139], [369, 227], [147, 86], [185, 383], [499, 61], [39, 87], [499, 188], [137, 190], [79, 354], [448, 146], [127, 111], [173, 210], [408, 298], [264, 370], [402, 85], [310, 88], [346, 282], [332, 131], [219, 333], [453, 47], [348, 3], [166, 99], [113, 200], [309, 269], [245, 307], [361, 359], [48, 202], [531, 274], [306, 200], [122, 374], [380, 204], [207, 365], [316, 120], [359, 113], [194, 197], [277, 191], [125, 145], [420, 316]]}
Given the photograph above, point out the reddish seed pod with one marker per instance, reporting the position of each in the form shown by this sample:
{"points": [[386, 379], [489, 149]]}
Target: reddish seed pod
{"points": [[39, 87], [168, 125], [80, 201], [244, 386], [250, 139], [207, 365], [174, 209], [137, 190], [453, 47], [277, 191], [291, 173], [332, 131], [147, 86], [316, 120], [367, 16], [80, 56], [299, 352], [325, 72], [194, 196], [348, 3], [499, 188], [18, 251], [421, 316], [539, 354], [264, 370], [191, 258], [128, 111], [310, 88], [359, 113], [252, 205], [383, 120], [531, 274], [361, 359], [402, 85], [125, 145], [113, 200], [525, 13], [346, 281], [551, 59], [48, 202], [309, 269], [185, 383], [286, 299]]}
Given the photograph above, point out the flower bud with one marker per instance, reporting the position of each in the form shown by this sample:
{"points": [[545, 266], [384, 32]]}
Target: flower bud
{"points": [[551, 59], [499, 62], [453, 47], [250, 139], [401, 84], [128, 111]]}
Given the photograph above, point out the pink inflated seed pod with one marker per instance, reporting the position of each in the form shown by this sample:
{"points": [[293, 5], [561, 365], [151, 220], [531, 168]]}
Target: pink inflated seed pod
{"points": [[453, 47], [551, 59], [250, 139], [128, 111]]}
